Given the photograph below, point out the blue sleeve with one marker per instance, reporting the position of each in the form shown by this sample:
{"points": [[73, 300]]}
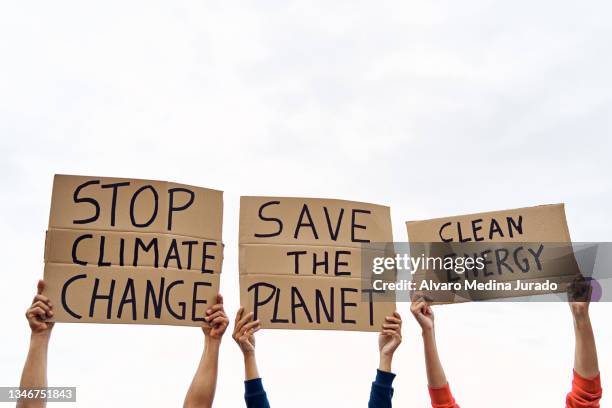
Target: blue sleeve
{"points": [[255, 395], [382, 391]]}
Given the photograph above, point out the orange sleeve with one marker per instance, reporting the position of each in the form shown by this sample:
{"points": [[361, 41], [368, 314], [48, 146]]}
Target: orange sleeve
{"points": [[442, 397], [585, 393]]}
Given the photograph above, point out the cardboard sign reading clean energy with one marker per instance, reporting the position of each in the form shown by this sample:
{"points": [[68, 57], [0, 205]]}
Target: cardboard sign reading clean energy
{"points": [[300, 262], [530, 245], [132, 251]]}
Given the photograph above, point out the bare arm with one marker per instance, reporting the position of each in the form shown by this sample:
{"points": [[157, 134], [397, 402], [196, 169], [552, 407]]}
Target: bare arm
{"points": [[250, 367], [201, 392], [586, 385], [585, 355], [244, 335], [435, 372], [425, 317], [389, 340], [34, 373]]}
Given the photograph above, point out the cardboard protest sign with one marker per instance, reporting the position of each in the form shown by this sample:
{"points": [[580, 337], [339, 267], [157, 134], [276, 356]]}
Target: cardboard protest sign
{"points": [[132, 251], [527, 246], [300, 262]]}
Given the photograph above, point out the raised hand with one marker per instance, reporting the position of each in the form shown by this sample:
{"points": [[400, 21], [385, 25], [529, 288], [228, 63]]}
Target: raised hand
{"points": [[216, 320], [423, 313], [39, 311], [390, 335], [244, 330], [389, 339]]}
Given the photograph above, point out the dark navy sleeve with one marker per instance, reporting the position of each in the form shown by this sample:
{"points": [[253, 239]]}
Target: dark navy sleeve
{"points": [[255, 395], [382, 391]]}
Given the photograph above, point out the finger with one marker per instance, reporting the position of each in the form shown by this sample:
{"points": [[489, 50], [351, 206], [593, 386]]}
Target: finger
{"points": [[219, 298], [249, 333], [215, 308], [220, 320], [254, 330], [42, 298], [240, 323], [393, 320], [37, 311], [214, 316], [397, 315], [247, 318], [237, 319], [391, 326], [418, 306], [43, 306], [388, 332], [40, 287], [418, 303], [249, 339], [249, 326], [239, 314]]}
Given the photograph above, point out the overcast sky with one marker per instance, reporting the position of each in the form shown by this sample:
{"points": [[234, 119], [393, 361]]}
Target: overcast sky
{"points": [[433, 108]]}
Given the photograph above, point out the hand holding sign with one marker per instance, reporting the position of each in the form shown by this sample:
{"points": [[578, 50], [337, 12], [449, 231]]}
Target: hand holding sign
{"points": [[389, 339], [245, 328], [39, 311], [216, 320], [422, 312], [244, 331]]}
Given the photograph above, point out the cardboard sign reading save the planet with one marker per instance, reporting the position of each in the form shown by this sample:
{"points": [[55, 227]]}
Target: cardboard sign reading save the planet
{"points": [[531, 244], [300, 262], [132, 251]]}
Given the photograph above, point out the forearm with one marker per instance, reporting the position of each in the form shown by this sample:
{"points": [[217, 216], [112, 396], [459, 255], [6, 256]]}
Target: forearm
{"points": [[34, 373], [435, 373], [250, 366], [385, 361], [201, 392], [585, 357]]}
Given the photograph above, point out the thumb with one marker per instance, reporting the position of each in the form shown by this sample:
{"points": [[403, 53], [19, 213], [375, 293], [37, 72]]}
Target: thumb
{"points": [[40, 286], [219, 298]]}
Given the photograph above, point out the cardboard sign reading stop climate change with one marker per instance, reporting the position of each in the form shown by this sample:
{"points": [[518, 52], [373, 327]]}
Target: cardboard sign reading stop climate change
{"points": [[527, 246], [300, 263], [132, 251]]}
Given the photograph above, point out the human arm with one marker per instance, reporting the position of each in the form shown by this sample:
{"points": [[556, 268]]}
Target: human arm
{"points": [[201, 392], [439, 389], [586, 386], [34, 375], [245, 328], [389, 340]]}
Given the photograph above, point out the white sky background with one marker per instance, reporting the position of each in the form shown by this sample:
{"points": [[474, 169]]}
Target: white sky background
{"points": [[434, 108]]}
